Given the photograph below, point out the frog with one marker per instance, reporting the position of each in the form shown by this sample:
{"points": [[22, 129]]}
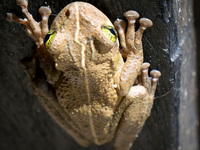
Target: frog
{"points": [[89, 74]]}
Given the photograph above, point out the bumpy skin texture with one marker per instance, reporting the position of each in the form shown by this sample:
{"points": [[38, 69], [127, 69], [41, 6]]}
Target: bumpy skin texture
{"points": [[81, 78]]}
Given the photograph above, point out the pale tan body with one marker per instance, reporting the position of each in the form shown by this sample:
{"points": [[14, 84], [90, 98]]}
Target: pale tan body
{"points": [[89, 89]]}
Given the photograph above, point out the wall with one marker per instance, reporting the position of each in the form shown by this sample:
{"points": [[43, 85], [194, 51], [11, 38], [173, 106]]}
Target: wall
{"points": [[169, 46]]}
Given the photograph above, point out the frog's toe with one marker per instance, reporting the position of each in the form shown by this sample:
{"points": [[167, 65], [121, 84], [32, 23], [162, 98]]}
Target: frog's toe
{"points": [[144, 77], [45, 12], [155, 74], [22, 3], [144, 24], [11, 17], [131, 16], [120, 25], [149, 83]]}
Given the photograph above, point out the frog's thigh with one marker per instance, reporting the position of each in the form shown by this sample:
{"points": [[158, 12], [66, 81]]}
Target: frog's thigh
{"points": [[133, 118], [46, 95]]}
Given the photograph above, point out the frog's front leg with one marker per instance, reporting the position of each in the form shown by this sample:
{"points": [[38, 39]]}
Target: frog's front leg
{"points": [[131, 43], [36, 30], [137, 103]]}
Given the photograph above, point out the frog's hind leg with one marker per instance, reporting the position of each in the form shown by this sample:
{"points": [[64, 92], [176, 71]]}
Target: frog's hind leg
{"points": [[47, 97], [137, 105], [133, 118]]}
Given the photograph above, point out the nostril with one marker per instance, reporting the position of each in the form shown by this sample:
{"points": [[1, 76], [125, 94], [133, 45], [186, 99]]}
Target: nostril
{"points": [[67, 13]]}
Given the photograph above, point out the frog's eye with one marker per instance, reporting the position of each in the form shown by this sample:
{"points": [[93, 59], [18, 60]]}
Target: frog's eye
{"points": [[49, 38], [110, 32]]}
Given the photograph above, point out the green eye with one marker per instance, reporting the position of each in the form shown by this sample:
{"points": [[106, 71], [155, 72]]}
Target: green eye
{"points": [[49, 38], [110, 32]]}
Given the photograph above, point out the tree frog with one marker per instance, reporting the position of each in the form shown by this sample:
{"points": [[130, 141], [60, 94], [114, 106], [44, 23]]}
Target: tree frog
{"points": [[96, 88]]}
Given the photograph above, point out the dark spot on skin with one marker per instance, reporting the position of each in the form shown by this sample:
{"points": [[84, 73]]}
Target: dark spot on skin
{"points": [[67, 13]]}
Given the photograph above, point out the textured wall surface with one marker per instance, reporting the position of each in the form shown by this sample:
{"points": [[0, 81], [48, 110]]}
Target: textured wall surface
{"points": [[24, 124]]}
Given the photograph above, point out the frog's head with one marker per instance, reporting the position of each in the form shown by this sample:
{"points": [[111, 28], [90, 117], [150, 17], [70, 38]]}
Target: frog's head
{"points": [[81, 34]]}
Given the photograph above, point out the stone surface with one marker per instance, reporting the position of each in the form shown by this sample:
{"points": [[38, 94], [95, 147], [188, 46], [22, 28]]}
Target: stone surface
{"points": [[26, 125]]}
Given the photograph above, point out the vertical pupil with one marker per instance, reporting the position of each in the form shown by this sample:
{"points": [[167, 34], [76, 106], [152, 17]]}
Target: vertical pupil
{"points": [[112, 31], [46, 38]]}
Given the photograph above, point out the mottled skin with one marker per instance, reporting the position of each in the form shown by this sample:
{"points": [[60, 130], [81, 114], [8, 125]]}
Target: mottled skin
{"points": [[81, 78]]}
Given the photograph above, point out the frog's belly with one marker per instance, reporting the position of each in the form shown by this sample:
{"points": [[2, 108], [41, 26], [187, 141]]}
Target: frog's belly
{"points": [[90, 104]]}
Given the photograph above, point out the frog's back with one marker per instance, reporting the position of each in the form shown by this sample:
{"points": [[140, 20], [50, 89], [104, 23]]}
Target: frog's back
{"points": [[90, 100]]}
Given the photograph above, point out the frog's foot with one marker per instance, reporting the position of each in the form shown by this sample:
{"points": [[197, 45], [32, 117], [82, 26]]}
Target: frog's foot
{"points": [[136, 109], [37, 30], [139, 102], [150, 83], [131, 41]]}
